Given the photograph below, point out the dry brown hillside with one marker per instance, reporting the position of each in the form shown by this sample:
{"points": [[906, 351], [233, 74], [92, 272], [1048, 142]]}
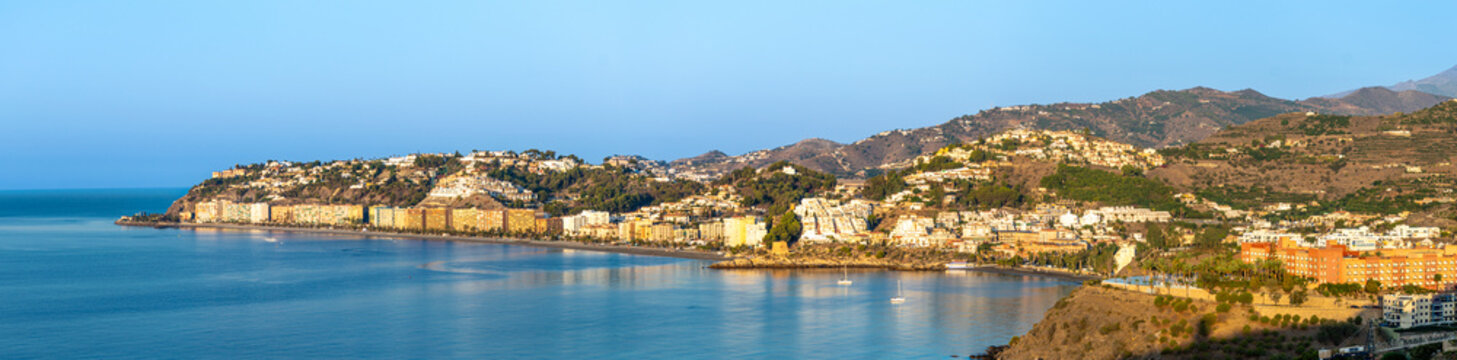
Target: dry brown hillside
{"points": [[1376, 164], [1102, 323]]}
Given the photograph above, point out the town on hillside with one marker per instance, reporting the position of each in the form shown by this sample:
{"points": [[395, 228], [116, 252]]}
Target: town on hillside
{"points": [[1341, 215]]}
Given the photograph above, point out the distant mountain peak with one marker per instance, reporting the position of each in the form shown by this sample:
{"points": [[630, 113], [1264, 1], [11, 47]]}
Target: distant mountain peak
{"points": [[1443, 83], [816, 142]]}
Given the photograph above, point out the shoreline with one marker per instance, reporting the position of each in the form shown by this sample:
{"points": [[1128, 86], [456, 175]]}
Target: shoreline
{"points": [[998, 269], [632, 250], [720, 262]]}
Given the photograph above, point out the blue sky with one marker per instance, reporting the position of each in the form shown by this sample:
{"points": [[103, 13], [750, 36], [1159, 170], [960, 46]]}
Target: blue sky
{"points": [[146, 94]]}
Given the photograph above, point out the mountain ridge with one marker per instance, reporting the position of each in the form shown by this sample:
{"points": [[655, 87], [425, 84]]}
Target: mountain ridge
{"points": [[1158, 118], [1443, 83]]}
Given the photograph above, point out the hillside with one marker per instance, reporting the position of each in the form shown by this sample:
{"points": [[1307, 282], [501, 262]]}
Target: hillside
{"points": [[1102, 323], [1391, 163], [1156, 119]]}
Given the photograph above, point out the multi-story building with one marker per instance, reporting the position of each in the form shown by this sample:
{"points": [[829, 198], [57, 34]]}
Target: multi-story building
{"points": [[743, 231], [574, 224], [228, 211], [205, 212], [410, 219], [382, 217], [548, 226], [465, 220], [1266, 236], [1039, 241], [831, 220], [437, 219], [913, 231], [520, 220], [711, 231], [1129, 214], [493, 220], [1336, 263], [1405, 311]]}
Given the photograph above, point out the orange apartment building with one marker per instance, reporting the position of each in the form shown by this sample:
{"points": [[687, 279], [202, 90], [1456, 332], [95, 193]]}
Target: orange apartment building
{"points": [[1336, 264]]}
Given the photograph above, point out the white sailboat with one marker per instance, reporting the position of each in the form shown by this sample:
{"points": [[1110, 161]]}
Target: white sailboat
{"points": [[899, 298], [845, 280]]}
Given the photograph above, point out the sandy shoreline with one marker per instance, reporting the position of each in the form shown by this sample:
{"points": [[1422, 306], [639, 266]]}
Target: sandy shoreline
{"points": [[634, 250]]}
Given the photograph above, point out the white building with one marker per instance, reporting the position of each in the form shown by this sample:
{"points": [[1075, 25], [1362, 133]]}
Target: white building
{"points": [[1416, 232], [1402, 311]]}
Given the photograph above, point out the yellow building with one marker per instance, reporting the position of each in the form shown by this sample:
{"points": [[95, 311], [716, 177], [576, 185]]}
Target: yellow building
{"points": [[328, 214], [520, 220], [493, 220], [281, 214], [743, 231], [550, 226], [206, 212], [465, 220], [412, 219], [437, 219]]}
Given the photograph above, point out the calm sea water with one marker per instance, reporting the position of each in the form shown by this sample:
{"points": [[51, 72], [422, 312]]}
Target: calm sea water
{"points": [[72, 285]]}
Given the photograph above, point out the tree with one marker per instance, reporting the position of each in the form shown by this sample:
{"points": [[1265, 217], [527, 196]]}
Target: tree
{"points": [[1156, 238], [1298, 297], [1130, 170], [1372, 286], [787, 229]]}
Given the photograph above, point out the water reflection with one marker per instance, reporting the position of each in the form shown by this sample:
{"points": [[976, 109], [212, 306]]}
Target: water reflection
{"points": [[339, 296]]}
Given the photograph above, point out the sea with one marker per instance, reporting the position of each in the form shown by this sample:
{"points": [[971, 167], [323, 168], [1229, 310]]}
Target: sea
{"points": [[74, 285]]}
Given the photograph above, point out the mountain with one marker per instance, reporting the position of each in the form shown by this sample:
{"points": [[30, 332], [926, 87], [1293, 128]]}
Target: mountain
{"points": [[806, 152], [1378, 100], [1156, 119], [1443, 83]]}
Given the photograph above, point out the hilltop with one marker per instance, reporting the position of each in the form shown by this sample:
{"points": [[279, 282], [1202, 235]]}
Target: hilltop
{"points": [[1156, 119]]}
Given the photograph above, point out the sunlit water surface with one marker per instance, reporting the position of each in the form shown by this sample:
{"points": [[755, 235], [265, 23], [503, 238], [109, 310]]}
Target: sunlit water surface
{"points": [[72, 285]]}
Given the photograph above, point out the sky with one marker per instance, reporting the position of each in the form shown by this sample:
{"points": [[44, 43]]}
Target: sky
{"points": [[112, 94]]}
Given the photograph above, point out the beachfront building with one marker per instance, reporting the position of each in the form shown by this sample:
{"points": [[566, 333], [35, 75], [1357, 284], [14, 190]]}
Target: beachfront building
{"points": [[744, 231], [577, 224], [520, 220], [225, 211]]}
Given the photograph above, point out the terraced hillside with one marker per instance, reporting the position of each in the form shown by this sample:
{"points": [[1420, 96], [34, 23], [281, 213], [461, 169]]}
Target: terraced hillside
{"points": [[1399, 162]]}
